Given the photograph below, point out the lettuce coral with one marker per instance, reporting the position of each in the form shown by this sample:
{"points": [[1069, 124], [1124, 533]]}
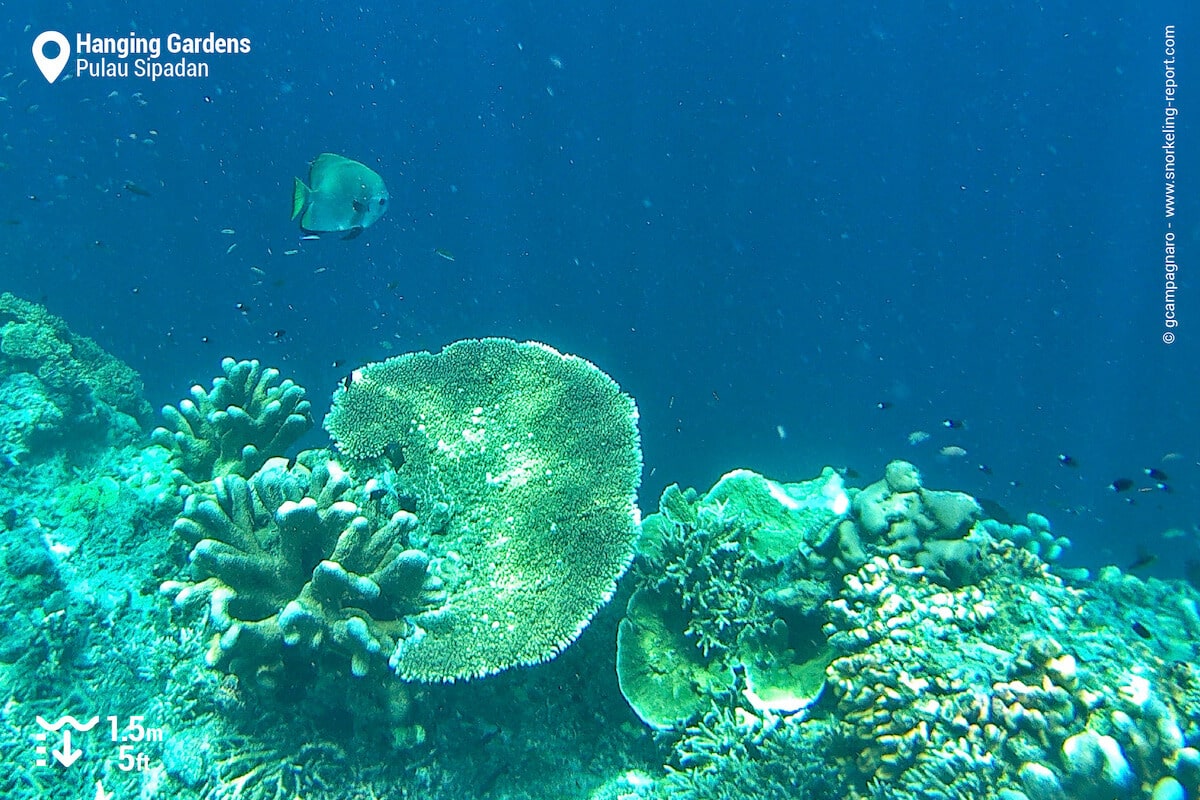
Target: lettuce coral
{"points": [[729, 583]]}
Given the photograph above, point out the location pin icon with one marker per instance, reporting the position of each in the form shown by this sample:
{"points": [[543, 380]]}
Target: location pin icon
{"points": [[51, 67]]}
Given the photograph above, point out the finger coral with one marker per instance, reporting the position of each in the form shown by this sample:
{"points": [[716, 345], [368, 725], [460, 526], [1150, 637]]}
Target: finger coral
{"points": [[249, 415], [293, 569]]}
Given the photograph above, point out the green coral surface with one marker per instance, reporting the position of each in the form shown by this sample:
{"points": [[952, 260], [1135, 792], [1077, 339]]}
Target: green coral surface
{"points": [[532, 459]]}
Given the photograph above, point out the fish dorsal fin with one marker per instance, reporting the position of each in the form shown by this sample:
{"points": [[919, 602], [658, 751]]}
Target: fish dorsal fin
{"points": [[324, 167]]}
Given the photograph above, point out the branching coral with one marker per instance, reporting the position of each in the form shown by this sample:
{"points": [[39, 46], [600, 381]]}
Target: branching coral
{"points": [[248, 416], [291, 568]]}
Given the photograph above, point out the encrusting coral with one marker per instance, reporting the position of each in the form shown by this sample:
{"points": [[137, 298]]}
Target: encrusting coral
{"points": [[59, 386], [898, 515]]}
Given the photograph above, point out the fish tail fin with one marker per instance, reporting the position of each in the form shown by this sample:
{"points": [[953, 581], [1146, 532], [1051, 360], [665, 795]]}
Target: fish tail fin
{"points": [[300, 194]]}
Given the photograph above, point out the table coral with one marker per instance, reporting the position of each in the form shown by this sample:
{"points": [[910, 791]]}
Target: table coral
{"points": [[531, 459]]}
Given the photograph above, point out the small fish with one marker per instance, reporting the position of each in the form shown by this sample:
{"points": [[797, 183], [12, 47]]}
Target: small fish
{"points": [[231, 248], [446, 254], [395, 456], [134, 188], [1155, 474], [952, 423], [311, 237], [1174, 533], [290, 252], [258, 272], [846, 472], [242, 307], [716, 396], [883, 405], [227, 231], [997, 512], [1067, 461], [1141, 630], [985, 469], [1120, 485], [337, 362], [1144, 559], [278, 334]]}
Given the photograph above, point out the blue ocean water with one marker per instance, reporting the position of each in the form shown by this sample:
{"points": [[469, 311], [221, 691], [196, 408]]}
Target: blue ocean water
{"points": [[795, 235], [758, 218]]}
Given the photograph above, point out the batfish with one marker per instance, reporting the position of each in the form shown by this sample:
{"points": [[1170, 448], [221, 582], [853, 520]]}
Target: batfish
{"points": [[342, 196]]}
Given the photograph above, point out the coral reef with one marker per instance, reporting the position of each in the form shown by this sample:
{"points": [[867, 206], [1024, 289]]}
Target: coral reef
{"points": [[248, 416], [773, 640], [951, 664], [59, 386], [523, 463], [34, 340], [1000, 678]]}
